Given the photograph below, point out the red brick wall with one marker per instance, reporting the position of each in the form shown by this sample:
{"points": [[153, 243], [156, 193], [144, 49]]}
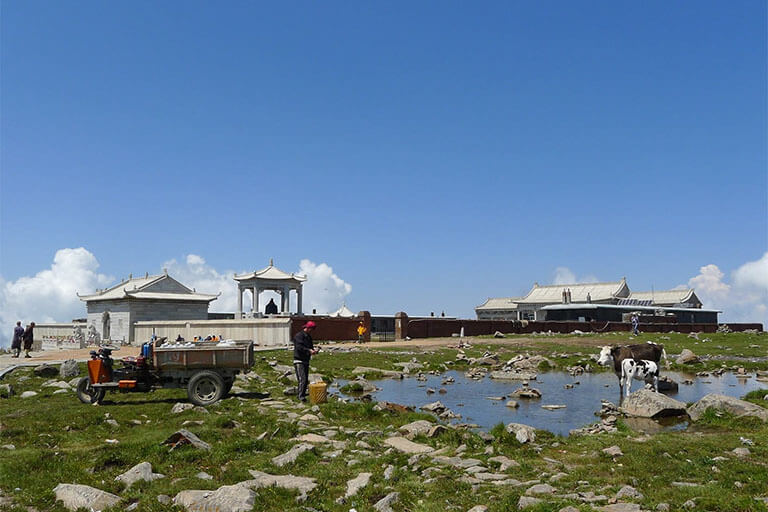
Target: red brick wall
{"points": [[431, 328], [333, 329]]}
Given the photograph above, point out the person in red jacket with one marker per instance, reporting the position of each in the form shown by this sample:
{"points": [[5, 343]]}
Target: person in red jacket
{"points": [[303, 350]]}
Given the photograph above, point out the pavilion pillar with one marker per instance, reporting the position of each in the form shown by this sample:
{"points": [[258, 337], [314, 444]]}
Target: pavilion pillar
{"points": [[298, 300], [255, 300], [284, 302], [239, 302]]}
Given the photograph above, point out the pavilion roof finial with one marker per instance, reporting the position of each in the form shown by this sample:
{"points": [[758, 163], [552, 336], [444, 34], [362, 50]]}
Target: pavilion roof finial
{"points": [[271, 262]]}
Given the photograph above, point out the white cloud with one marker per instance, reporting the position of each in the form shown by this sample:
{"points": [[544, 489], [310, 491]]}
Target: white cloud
{"points": [[564, 275], [324, 290], [744, 299], [196, 273], [51, 294]]}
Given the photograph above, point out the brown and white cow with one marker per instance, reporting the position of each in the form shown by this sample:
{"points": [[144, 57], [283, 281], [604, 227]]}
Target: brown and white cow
{"points": [[642, 351]]}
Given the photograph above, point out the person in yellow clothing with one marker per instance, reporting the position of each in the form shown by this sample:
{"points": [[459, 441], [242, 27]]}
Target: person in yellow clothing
{"points": [[361, 332]]}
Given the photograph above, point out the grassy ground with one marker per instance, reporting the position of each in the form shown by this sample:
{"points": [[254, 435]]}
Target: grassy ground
{"points": [[58, 439]]}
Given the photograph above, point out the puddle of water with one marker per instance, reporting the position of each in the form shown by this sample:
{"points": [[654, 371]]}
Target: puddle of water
{"points": [[581, 401]]}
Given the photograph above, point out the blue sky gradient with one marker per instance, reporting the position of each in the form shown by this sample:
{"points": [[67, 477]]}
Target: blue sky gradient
{"points": [[433, 154]]}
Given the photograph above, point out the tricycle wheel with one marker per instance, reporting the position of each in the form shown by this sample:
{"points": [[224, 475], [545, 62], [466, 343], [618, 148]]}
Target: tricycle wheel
{"points": [[88, 394], [205, 387]]}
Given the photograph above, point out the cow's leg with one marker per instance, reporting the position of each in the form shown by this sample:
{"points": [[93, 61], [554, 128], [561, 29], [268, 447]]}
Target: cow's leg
{"points": [[628, 384], [656, 381]]}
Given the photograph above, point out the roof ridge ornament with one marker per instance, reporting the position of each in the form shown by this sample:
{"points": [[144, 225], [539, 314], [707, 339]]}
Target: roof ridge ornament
{"points": [[271, 262]]}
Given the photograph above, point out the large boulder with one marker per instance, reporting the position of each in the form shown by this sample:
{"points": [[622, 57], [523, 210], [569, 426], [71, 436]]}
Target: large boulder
{"points": [[649, 404], [523, 433], [726, 403], [69, 369], [46, 370], [75, 496], [687, 357]]}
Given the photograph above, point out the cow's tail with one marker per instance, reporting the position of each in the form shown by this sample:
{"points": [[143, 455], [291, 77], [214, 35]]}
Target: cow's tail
{"points": [[664, 355]]}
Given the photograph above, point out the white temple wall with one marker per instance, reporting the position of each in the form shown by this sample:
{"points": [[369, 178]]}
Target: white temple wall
{"points": [[266, 332]]}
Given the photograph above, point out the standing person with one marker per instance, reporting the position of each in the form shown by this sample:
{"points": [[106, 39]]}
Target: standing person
{"points": [[27, 337], [361, 332], [303, 350], [18, 332], [635, 323]]}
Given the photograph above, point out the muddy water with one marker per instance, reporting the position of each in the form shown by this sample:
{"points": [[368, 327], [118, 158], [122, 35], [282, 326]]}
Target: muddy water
{"points": [[470, 398]]}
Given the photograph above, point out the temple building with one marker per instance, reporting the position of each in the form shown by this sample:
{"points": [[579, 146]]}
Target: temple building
{"points": [[113, 311], [542, 300], [273, 279]]}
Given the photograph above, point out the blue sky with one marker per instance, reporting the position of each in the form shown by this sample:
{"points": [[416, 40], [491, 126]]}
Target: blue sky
{"points": [[433, 154]]}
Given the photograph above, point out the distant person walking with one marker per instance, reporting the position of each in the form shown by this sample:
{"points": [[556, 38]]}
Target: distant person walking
{"points": [[303, 350], [635, 324], [18, 332], [361, 332], [27, 338]]}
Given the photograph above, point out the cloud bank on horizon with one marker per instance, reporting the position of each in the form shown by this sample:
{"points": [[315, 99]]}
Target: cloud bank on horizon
{"points": [[51, 294]]}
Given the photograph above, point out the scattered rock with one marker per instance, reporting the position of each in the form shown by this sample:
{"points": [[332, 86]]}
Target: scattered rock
{"points": [[291, 455], [479, 508], [613, 451], [403, 445], [357, 483], [434, 407], [69, 369], [301, 483], [741, 452], [505, 462], [732, 405], [527, 501], [385, 503], [203, 476], [392, 407], [388, 472], [164, 499], [182, 437], [45, 370], [181, 407], [75, 496], [540, 489], [687, 357], [629, 492], [141, 471], [649, 404], [6, 391], [620, 507], [523, 433], [513, 404], [28, 394], [513, 375], [526, 392], [416, 428], [228, 498]]}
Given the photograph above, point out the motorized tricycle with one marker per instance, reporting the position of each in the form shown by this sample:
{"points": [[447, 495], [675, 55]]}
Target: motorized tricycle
{"points": [[206, 370]]}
